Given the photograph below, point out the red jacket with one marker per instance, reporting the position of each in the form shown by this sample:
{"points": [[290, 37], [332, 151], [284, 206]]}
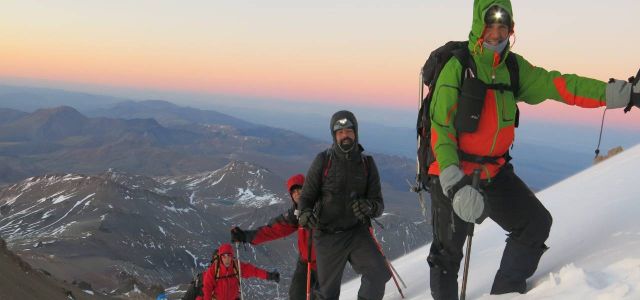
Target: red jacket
{"points": [[226, 286], [282, 226]]}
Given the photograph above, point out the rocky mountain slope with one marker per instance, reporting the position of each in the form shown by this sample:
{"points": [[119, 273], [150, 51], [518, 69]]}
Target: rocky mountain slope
{"points": [[113, 228]]}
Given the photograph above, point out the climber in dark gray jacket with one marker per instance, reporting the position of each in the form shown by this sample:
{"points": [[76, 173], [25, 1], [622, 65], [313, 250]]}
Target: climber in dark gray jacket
{"points": [[340, 196]]}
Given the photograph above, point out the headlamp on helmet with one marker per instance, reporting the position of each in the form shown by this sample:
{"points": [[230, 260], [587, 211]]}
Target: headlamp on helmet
{"points": [[497, 14], [342, 124]]}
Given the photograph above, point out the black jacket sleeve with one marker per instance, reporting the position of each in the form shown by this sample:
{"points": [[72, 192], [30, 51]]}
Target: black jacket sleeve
{"points": [[312, 183], [374, 190]]}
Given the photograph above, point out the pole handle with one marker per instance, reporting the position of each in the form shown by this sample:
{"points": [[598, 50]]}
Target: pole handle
{"points": [[475, 180]]}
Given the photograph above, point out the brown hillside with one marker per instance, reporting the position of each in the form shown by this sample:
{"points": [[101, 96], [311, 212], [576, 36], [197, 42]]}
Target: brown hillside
{"points": [[19, 281]]}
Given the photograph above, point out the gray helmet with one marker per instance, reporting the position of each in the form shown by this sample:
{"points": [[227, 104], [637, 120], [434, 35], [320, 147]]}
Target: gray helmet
{"points": [[343, 119]]}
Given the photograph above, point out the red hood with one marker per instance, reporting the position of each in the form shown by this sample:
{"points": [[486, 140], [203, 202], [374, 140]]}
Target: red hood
{"points": [[294, 180], [225, 248]]}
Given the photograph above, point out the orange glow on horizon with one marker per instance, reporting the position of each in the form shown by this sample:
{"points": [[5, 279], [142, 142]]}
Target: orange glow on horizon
{"points": [[252, 77], [361, 55]]}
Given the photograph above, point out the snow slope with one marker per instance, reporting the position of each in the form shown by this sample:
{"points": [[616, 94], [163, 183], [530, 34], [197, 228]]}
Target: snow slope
{"points": [[594, 243]]}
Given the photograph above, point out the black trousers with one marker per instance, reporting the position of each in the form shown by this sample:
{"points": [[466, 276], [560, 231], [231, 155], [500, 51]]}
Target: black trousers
{"points": [[515, 208], [356, 246], [298, 288]]}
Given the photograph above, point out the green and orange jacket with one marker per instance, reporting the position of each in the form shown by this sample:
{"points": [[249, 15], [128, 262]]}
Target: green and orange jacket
{"points": [[496, 129]]}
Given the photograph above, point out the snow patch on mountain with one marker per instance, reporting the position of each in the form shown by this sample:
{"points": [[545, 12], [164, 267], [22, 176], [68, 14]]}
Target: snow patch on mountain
{"points": [[61, 198], [248, 198]]}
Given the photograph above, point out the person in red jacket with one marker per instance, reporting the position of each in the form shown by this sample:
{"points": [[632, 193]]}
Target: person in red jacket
{"points": [[283, 226], [221, 280]]}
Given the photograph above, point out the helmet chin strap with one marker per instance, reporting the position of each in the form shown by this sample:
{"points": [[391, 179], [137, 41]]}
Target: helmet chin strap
{"points": [[346, 151]]}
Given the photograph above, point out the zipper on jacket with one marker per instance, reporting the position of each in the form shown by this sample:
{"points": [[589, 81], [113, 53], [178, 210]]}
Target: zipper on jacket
{"points": [[346, 181], [494, 67]]}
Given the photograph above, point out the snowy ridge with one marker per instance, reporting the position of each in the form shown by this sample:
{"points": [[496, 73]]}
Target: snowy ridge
{"points": [[156, 230], [63, 214], [53, 206], [237, 183], [593, 243]]}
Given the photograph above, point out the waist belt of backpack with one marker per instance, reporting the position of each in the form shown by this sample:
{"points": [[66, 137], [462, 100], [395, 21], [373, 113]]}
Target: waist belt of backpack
{"points": [[483, 159], [338, 229]]}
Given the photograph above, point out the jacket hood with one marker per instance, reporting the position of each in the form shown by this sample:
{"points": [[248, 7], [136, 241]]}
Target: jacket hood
{"points": [[295, 180], [480, 7], [225, 249], [343, 114]]}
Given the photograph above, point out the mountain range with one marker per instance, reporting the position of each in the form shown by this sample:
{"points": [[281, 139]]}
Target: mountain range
{"points": [[126, 204], [187, 141]]}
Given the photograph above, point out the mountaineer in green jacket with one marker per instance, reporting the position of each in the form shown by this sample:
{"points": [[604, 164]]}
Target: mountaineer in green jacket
{"points": [[473, 117]]}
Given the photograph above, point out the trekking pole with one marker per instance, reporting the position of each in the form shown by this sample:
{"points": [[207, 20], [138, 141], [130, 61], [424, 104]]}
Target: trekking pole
{"points": [[396, 272], [388, 263], [475, 183], [377, 223], [417, 188], [239, 268], [393, 269], [309, 245]]}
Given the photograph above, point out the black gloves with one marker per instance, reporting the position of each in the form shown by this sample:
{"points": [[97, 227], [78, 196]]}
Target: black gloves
{"points": [[635, 92], [364, 208], [237, 235], [635, 97], [273, 276], [307, 219]]}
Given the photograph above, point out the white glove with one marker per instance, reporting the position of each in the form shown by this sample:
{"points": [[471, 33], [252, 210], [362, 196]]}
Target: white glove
{"points": [[468, 204]]}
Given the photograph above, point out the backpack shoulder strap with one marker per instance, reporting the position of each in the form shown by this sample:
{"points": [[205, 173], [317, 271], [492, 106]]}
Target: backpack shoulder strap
{"points": [[366, 161], [235, 265], [216, 268], [514, 76], [465, 59], [514, 73], [327, 162]]}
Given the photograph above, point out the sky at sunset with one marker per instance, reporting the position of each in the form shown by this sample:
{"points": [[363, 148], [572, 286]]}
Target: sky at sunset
{"points": [[359, 52]]}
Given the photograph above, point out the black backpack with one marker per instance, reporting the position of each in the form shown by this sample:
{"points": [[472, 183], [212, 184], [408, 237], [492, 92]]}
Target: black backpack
{"points": [[195, 288], [326, 165], [430, 73], [328, 157]]}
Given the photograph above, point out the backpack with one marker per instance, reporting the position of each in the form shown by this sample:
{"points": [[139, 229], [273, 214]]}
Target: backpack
{"points": [[235, 273], [195, 288], [429, 76], [326, 164]]}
